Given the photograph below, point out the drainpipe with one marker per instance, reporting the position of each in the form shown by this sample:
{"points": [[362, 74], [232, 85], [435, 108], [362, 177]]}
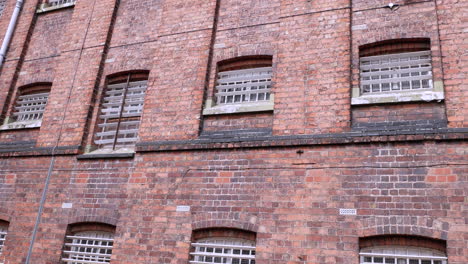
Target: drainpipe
{"points": [[9, 32]]}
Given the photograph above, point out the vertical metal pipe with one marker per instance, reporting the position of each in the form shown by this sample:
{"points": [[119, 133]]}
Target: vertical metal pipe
{"points": [[10, 30]]}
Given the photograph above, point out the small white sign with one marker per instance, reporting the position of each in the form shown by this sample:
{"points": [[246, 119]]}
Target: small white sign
{"points": [[183, 208], [359, 27], [67, 205], [348, 211]]}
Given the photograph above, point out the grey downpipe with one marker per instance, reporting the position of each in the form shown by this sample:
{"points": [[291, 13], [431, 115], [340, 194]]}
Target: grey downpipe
{"points": [[41, 206], [10, 30]]}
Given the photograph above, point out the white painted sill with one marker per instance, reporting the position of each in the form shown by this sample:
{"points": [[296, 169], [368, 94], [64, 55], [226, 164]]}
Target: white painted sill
{"points": [[110, 151], [237, 108], [22, 125], [436, 94]]}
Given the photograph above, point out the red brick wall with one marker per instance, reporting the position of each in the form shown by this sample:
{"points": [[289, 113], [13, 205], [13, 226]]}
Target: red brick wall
{"points": [[399, 116], [38, 64], [238, 122], [222, 232], [290, 200], [410, 21], [455, 70], [288, 196]]}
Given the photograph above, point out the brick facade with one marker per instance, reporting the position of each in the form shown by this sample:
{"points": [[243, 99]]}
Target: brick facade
{"points": [[279, 177]]}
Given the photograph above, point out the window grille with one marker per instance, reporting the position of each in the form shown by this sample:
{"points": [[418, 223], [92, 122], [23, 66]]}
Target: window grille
{"points": [[31, 106], [223, 250], [401, 255], [243, 86], [120, 114], [88, 247], [61, 2], [2, 6], [3, 233], [396, 72]]}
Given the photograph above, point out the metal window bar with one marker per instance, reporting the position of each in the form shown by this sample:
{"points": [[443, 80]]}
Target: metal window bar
{"points": [[243, 86], [2, 6], [3, 234], [88, 248], [30, 106], [401, 255], [396, 72], [61, 2], [120, 115], [223, 250]]}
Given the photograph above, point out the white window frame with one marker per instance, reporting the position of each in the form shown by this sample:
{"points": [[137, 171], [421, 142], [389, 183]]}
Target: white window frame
{"points": [[120, 115], [31, 106], [401, 255], [52, 5], [2, 6], [246, 90], [28, 111], [399, 77], [244, 86], [223, 250], [61, 2], [90, 247], [3, 234]]}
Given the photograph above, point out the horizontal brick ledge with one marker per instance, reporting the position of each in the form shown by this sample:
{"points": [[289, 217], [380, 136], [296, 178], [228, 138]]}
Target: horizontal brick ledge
{"points": [[305, 140], [243, 142], [39, 151], [106, 156]]}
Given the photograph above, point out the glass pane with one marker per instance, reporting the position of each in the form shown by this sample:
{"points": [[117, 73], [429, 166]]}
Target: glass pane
{"points": [[416, 84], [378, 260]]}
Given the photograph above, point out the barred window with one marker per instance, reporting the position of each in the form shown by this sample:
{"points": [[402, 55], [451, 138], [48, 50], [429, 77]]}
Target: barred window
{"points": [[396, 72], [121, 110], [2, 6], [244, 86], [223, 250], [61, 2], [401, 255], [31, 106], [3, 234], [88, 247]]}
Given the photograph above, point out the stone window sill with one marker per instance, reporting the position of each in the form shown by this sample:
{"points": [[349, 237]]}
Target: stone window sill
{"points": [[21, 125], [109, 154], [45, 7], [237, 108], [436, 94]]}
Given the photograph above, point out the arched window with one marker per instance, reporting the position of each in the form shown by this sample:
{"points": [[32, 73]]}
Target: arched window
{"points": [[223, 246], [2, 6], [121, 110], [92, 246], [401, 255], [61, 2], [395, 249], [29, 106], [244, 80], [223, 250], [395, 65], [3, 234]]}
